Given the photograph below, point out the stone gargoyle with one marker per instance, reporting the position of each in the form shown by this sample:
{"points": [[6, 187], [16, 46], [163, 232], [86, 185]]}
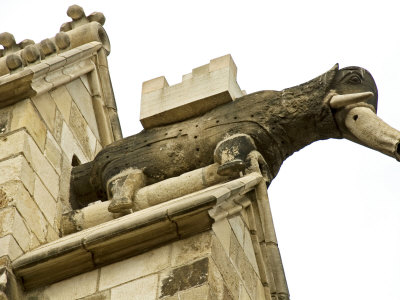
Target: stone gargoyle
{"points": [[273, 124]]}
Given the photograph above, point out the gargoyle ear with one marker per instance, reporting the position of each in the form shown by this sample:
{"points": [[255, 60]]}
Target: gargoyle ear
{"points": [[335, 67]]}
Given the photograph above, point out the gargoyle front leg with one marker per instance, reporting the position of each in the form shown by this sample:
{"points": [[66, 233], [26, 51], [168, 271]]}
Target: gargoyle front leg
{"points": [[255, 162], [231, 154], [121, 189]]}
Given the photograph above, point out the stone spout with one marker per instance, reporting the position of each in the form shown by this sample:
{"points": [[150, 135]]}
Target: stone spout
{"points": [[366, 128]]}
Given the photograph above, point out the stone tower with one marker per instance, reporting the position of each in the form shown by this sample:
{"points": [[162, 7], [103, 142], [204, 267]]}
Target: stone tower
{"points": [[199, 237]]}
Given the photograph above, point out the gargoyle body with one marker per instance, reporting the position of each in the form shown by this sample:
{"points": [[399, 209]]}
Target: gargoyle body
{"points": [[339, 103]]}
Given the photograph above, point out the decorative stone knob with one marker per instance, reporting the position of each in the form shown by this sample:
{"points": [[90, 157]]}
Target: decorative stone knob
{"points": [[62, 40], [30, 53], [97, 17], [13, 62], [26, 43], [48, 47], [7, 40]]}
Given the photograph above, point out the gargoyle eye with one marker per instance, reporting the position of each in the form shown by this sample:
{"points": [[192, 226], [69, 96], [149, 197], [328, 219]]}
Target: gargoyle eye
{"points": [[354, 79]]}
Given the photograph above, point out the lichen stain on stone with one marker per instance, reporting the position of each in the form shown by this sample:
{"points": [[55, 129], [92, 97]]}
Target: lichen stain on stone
{"points": [[185, 277], [3, 199]]}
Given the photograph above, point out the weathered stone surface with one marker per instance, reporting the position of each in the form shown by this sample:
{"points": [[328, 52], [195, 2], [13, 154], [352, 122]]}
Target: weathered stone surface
{"points": [[43, 168], [225, 267], [47, 109], [197, 293], [53, 152], [243, 294], [29, 211], [104, 295], [5, 120], [249, 251], [83, 100], [184, 277], [25, 115], [9, 247], [17, 168], [238, 228], [63, 101], [73, 288], [135, 267], [12, 224], [243, 266], [70, 145], [222, 230], [82, 132], [45, 201], [140, 289], [191, 248]]}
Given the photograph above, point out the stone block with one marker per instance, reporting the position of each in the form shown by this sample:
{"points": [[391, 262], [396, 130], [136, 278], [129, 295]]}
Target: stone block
{"points": [[73, 288], [184, 277], [17, 169], [104, 295], [63, 101], [9, 247], [58, 126], [238, 228], [141, 289], [43, 168], [5, 118], [44, 103], [243, 294], [83, 100], [70, 145], [45, 201], [78, 126], [53, 152], [191, 248], [21, 142], [29, 210], [205, 88], [82, 132], [11, 223], [65, 178], [24, 115], [243, 267], [222, 230], [197, 293], [226, 268], [150, 262], [249, 251]]}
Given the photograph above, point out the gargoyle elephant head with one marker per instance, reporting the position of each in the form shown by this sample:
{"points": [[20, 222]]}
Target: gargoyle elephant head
{"points": [[354, 102]]}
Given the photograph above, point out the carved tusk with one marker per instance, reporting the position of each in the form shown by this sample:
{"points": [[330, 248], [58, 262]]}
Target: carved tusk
{"points": [[338, 101]]}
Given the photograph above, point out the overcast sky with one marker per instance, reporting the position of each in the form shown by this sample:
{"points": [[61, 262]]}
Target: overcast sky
{"points": [[336, 205]]}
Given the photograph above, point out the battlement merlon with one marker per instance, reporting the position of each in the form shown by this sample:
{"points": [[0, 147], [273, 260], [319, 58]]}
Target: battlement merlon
{"points": [[201, 90]]}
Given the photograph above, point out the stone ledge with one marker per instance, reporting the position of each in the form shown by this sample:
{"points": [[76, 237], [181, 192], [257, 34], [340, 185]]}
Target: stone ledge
{"points": [[129, 235], [48, 74]]}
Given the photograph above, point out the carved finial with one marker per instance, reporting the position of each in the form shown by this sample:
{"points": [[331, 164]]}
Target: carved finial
{"points": [[48, 47], [97, 17], [62, 40], [75, 12], [13, 62], [8, 42], [30, 54]]}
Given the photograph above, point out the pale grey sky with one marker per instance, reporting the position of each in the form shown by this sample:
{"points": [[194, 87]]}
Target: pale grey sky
{"points": [[336, 205]]}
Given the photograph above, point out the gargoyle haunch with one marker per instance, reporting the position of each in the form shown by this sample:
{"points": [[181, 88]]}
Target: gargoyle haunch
{"points": [[338, 104]]}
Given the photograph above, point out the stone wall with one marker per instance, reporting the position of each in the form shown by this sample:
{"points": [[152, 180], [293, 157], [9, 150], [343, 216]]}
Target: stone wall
{"points": [[217, 264], [40, 138]]}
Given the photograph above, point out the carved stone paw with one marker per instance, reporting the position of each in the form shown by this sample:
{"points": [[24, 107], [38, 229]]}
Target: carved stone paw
{"points": [[231, 167], [120, 205]]}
